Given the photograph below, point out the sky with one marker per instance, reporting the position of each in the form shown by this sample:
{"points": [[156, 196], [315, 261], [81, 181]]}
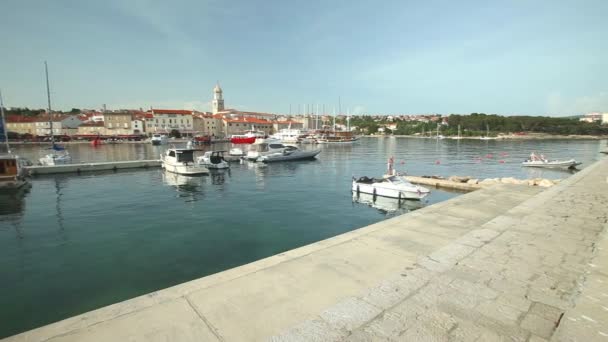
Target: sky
{"points": [[543, 57]]}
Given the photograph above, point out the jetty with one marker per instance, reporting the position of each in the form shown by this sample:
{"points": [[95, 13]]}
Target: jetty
{"points": [[89, 167], [505, 262]]}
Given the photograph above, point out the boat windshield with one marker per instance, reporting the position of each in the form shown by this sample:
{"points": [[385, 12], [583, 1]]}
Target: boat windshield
{"points": [[397, 180], [185, 156]]}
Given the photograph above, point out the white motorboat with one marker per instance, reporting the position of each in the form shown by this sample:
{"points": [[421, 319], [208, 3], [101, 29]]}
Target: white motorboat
{"points": [[213, 160], [387, 205], [541, 161], [390, 185], [181, 161], [290, 153], [264, 147], [236, 152], [159, 139]]}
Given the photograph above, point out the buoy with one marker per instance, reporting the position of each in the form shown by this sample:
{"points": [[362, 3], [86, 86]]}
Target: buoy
{"points": [[501, 161], [437, 162], [489, 155], [402, 162]]}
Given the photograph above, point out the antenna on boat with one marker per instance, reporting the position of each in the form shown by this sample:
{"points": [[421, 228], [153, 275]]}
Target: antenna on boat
{"points": [[3, 122]]}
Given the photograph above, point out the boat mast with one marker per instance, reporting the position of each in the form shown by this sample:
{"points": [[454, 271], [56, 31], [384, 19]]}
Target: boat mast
{"points": [[317, 118], [4, 131], [339, 112], [48, 96]]}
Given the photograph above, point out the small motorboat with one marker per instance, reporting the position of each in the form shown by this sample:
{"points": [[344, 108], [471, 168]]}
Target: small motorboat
{"points": [[390, 185], [290, 153], [541, 161], [159, 139], [181, 161], [213, 160]]}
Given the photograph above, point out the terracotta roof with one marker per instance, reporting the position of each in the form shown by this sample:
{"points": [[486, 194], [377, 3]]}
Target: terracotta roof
{"points": [[92, 124], [249, 120], [172, 111], [19, 118]]}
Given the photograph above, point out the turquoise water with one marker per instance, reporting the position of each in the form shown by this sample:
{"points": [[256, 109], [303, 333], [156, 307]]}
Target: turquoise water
{"points": [[75, 243]]}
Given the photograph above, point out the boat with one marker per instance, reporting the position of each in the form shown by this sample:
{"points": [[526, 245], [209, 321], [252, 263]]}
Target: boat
{"points": [[541, 161], [13, 174], [248, 138], [59, 154], [202, 139], [487, 136], [288, 135], [290, 153], [387, 205], [236, 152], [391, 185], [213, 160], [266, 146], [159, 139], [181, 161], [336, 137], [458, 137]]}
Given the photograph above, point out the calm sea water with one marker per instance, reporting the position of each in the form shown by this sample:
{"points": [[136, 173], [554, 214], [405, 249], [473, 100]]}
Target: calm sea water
{"points": [[75, 243]]}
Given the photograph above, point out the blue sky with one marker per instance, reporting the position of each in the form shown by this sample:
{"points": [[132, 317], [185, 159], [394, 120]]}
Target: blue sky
{"points": [[505, 57]]}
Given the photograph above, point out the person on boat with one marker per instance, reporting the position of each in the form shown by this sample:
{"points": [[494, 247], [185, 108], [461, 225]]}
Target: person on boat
{"points": [[390, 170]]}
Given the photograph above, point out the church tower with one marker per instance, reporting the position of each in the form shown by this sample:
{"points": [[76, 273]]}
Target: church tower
{"points": [[218, 100]]}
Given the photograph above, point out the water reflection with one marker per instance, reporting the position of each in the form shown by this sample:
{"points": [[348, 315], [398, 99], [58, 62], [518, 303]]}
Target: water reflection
{"points": [[218, 177], [388, 205], [187, 187], [12, 202]]}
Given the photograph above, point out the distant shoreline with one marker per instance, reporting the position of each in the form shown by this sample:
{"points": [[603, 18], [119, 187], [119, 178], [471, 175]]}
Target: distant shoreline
{"points": [[530, 136]]}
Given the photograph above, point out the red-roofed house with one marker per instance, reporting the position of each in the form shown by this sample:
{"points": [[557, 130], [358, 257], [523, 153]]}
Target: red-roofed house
{"points": [[243, 124], [21, 124], [62, 125]]}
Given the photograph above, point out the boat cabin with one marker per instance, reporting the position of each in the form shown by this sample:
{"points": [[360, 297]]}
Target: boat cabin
{"points": [[181, 155], [8, 167]]}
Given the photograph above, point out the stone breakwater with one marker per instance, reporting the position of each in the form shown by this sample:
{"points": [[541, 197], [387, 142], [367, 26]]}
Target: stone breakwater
{"points": [[471, 184]]}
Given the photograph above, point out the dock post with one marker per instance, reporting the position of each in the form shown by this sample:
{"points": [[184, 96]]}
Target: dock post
{"points": [[374, 195]]}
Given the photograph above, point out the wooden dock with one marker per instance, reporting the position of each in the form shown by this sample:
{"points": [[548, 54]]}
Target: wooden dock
{"points": [[89, 167]]}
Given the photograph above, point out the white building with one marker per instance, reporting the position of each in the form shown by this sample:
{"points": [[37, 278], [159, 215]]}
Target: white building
{"points": [[166, 120], [62, 125], [605, 118]]}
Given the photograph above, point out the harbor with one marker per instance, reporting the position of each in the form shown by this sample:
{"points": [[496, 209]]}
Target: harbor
{"points": [[505, 262], [71, 228]]}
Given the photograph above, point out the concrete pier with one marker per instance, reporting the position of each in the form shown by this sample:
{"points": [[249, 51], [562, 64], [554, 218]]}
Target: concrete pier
{"points": [[509, 262], [88, 167]]}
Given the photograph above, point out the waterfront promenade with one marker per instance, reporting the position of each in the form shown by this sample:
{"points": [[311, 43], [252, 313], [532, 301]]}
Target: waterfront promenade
{"points": [[504, 263]]}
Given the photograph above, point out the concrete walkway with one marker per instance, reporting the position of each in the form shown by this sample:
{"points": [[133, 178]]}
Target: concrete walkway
{"points": [[505, 263]]}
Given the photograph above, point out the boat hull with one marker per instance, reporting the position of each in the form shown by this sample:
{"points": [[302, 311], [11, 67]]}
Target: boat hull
{"points": [[243, 140], [383, 191], [298, 155], [552, 164]]}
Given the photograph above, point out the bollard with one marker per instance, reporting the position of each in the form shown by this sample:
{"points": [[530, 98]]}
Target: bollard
{"points": [[374, 195]]}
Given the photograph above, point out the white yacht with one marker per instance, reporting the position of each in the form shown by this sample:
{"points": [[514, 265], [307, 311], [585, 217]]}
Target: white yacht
{"points": [[541, 161], [59, 156], [290, 153], [288, 135], [159, 139], [213, 160], [181, 161], [267, 146]]}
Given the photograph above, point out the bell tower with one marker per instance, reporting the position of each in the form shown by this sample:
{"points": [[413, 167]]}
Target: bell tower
{"points": [[218, 100]]}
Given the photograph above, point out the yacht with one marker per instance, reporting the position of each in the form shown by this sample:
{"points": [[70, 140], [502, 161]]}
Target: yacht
{"points": [[337, 137], [159, 139], [213, 160], [181, 161], [266, 146], [288, 135], [248, 138], [13, 174], [290, 153]]}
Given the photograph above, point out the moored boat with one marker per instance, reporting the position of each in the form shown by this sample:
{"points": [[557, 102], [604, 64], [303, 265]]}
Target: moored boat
{"points": [[390, 185], [248, 138], [13, 174], [290, 153], [213, 160], [541, 161], [159, 139], [181, 161]]}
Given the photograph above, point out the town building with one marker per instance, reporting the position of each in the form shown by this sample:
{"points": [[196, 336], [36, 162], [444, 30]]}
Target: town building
{"points": [[592, 117], [244, 124], [21, 124], [92, 128], [62, 125], [166, 120], [117, 123], [605, 118]]}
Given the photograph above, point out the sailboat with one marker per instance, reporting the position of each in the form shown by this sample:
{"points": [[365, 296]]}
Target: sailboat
{"points": [[13, 174], [58, 155], [439, 136], [335, 136]]}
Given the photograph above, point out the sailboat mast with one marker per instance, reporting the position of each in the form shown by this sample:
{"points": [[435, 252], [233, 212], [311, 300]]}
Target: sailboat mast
{"points": [[339, 112], [48, 96], [4, 131], [317, 118]]}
